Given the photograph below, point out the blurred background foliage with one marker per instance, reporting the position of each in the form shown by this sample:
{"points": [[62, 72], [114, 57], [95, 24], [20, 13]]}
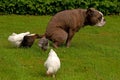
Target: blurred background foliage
{"points": [[50, 7]]}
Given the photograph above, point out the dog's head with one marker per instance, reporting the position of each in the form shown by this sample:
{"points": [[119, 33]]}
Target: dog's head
{"points": [[94, 17]]}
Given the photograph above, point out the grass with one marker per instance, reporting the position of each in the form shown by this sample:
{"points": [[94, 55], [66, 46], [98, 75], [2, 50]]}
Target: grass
{"points": [[94, 53]]}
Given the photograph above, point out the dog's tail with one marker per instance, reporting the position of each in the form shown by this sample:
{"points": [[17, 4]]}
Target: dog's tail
{"points": [[40, 36]]}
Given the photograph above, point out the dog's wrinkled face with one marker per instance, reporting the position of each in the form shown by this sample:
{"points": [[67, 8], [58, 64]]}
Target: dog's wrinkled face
{"points": [[101, 20], [95, 17]]}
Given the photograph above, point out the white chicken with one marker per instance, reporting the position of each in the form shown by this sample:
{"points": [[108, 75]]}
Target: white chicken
{"points": [[16, 39], [52, 63]]}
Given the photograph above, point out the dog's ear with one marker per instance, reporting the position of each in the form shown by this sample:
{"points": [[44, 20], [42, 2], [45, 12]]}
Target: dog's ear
{"points": [[90, 11]]}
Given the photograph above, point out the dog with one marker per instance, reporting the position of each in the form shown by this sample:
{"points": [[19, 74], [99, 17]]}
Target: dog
{"points": [[52, 63], [63, 25], [28, 40]]}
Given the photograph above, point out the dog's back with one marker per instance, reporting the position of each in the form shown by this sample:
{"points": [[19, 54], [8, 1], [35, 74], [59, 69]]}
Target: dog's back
{"points": [[60, 24]]}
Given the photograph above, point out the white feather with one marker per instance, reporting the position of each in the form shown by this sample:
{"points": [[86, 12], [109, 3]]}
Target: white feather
{"points": [[16, 39], [52, 63]]}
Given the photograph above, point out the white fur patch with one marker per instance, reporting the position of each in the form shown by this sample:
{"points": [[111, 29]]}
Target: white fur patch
{"points": [[102, 22], [101, 13]]}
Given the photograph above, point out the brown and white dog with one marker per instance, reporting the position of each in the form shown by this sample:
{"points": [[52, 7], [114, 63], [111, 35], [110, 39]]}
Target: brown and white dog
{"points": [[63, 26]]}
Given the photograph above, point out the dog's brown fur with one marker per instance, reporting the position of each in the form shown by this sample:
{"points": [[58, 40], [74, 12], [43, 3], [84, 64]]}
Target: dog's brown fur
{"points": [[63, 26]]}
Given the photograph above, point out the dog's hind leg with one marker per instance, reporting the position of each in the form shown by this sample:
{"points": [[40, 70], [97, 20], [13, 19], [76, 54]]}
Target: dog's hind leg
{"points": [[56, 44], [59, 37]]}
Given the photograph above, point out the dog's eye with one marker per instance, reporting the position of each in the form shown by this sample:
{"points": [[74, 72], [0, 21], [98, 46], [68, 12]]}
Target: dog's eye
{"points": [[100, 17]]}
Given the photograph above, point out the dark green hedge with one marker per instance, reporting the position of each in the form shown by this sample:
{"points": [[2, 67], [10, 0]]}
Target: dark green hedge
{"points": [[50, 7]]}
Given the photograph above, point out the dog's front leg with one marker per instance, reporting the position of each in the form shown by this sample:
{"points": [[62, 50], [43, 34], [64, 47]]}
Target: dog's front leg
{"points": [[70, 36]]}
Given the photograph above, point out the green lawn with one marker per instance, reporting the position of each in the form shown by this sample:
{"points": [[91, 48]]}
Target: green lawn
{"points": [[94, 53]]}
